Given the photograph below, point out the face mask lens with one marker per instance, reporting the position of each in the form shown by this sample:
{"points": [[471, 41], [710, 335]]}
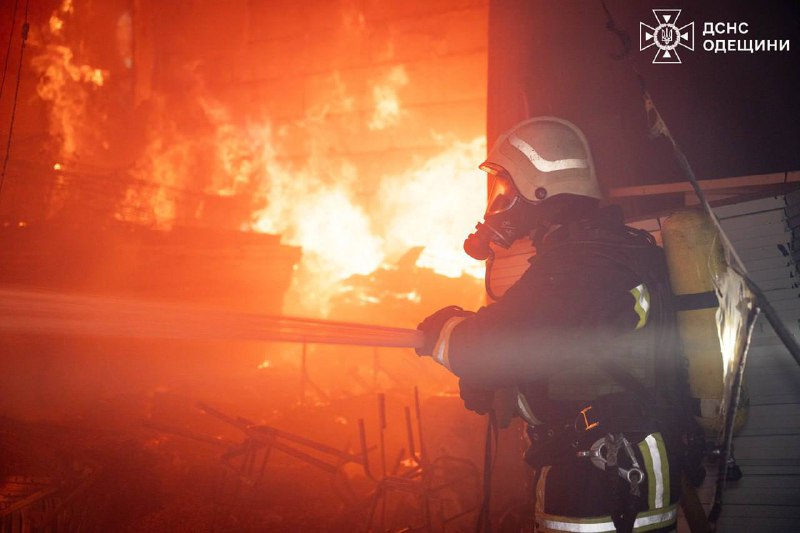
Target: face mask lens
{"points": [[499, 204], [502, 195]]}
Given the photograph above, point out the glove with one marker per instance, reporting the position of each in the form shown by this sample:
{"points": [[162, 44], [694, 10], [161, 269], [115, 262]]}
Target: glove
{"points": [[432, 326], [476, 398]]}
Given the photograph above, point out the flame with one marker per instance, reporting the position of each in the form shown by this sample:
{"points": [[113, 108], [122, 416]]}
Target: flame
{"points": [[317, 210], [387, 106], [347, 221], [65, 84], [436, 205], [56, 24], [238, 151], [315, 202], [164, 165]]}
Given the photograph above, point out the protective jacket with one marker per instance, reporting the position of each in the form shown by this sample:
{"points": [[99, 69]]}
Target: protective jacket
{"points": [[583, 335]]}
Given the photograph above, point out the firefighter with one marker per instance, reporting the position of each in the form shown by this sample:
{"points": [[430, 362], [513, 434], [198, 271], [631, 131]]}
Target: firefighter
{"points": [[586, 338]]}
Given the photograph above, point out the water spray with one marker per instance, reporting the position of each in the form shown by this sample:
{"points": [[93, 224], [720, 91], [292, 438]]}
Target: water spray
{"points": [[39, 312]]}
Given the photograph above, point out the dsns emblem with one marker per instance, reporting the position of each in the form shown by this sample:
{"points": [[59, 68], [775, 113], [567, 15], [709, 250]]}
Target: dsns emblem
{"points": [[667, 36]]}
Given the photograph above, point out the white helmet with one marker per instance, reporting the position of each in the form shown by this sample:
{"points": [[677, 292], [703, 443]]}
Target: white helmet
{"points": [[543, 156]]}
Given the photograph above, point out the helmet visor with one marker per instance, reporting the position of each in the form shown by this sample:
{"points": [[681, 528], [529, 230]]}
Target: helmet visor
{"points": [[502, 193]]}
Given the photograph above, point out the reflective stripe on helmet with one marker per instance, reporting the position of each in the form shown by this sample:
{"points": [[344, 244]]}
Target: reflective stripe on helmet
{"points": [[656, 464], [441, 350], [545, 157], [641, 296], [540, 163], [645, 521]]}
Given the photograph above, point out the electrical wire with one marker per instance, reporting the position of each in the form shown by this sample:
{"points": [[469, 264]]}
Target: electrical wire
{"points": [[8, 48], [25, 28]]}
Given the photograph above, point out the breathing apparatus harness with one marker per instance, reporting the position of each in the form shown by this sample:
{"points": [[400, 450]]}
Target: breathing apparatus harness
{"points": [[601, 431]]}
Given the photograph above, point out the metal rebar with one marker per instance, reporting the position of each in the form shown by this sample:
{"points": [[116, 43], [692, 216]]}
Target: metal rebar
{"points": [[382, 426], [410, 434], [418, 412]]}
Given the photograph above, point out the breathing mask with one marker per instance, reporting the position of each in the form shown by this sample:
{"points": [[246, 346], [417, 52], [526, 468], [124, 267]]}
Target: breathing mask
{"points": [[508, 217]]}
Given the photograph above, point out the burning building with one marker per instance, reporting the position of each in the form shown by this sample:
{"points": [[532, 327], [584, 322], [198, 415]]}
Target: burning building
{"points": [[243, 157]]}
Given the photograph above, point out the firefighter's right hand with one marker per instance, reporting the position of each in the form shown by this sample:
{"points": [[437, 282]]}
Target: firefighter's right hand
{"points": [[432, 326]]}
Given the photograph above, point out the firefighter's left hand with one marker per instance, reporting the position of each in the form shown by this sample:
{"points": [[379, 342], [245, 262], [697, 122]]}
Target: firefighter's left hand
{"points": [[432, 326], [476, 398]]}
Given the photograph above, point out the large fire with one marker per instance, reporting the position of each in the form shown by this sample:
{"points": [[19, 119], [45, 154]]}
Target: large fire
{"points": [[433, 204], [179, 168], [347, 220]]}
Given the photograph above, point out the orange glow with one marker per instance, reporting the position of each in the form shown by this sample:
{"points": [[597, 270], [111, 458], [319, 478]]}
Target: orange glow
{"points": [[436, 205], [305, 177], [387, 106], [65, 84], [56, 24], [314, 202], [255, 159], [165, 165]]}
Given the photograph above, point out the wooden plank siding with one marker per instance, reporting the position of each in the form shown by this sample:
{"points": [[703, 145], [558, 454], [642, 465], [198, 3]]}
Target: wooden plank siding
{"points": [[767, 449]]}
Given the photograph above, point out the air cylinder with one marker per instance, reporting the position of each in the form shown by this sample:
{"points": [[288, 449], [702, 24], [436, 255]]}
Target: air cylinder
{"points": [[695, 257]]}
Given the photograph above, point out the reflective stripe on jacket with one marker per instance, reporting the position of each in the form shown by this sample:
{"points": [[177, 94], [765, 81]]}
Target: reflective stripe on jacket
{"points": [[660, 511]]}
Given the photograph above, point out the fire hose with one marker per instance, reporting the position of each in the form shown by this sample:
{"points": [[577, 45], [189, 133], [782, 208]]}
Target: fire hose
{"points": [[39, 312]]}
